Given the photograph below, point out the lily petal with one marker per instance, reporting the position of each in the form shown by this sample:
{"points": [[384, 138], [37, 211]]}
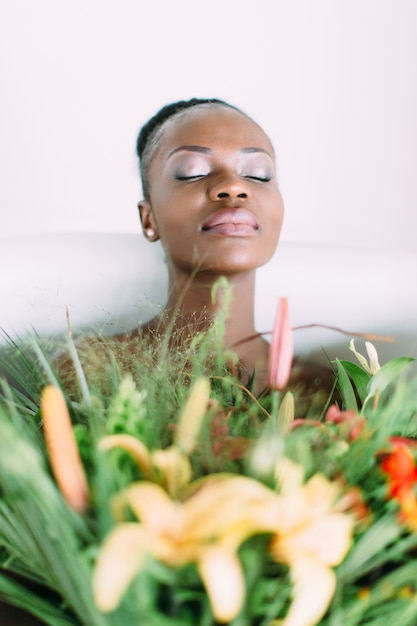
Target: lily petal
{"points": [[374, 365], [151, 504], [222, 576], [134, 446], [289, 476], [189, 424], [119, 560], [314, 586], [326, 538], [174, 467], [228, 505], [359, 356]]}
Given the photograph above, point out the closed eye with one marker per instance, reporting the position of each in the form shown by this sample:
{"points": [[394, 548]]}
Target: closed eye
{"points": [[261, 179], [195, 176]]}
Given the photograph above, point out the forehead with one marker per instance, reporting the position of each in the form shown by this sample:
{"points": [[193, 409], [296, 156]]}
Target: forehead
{"points": [[215, 128]]}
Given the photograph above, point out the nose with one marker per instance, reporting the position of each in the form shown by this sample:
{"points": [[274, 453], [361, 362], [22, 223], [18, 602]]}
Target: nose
{"points": [[228, 186]]}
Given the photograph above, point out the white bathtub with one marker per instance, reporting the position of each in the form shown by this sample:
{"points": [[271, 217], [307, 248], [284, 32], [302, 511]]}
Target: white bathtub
{"points": [[116, 281]]}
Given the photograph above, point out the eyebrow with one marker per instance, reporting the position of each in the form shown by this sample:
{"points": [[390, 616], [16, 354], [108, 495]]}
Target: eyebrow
{"points": [[205, 150]]}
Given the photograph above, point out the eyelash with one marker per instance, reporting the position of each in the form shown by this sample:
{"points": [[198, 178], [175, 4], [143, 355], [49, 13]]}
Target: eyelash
{"points": [[260, 179], [257, 178], [189, 177]]}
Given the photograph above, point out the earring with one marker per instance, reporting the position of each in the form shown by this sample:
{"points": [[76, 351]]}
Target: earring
{"points": [[151, 234]]}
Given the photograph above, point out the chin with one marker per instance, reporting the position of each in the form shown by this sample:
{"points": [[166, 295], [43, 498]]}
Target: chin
{"points": [[235, 257], [232, 266]]}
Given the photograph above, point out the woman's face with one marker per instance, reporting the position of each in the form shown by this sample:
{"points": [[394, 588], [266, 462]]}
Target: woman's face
{"points": [[214, 199]]}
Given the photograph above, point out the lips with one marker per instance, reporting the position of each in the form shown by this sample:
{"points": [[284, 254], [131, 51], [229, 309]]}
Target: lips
{"points": [[229, 221]]}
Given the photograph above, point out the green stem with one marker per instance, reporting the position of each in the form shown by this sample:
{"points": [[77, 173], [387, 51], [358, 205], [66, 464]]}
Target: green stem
{"points": [[275, 404]]}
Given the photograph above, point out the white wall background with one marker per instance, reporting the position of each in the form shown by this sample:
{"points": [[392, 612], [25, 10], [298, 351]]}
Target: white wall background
{"points": [[332, 81]]}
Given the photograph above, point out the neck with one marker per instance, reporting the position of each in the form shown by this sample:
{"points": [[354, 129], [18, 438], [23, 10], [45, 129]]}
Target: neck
{"points": [[190, 302], [190, 310]]}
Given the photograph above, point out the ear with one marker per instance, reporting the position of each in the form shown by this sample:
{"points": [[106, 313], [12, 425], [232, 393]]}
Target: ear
{"points": [[149, 227]]}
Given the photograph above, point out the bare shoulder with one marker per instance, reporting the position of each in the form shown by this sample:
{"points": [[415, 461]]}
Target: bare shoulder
{"points": [[93, 353], [104, 360]]}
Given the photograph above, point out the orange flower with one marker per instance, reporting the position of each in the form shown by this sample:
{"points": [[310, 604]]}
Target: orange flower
{"points": [[282, 348], [401, 469], [62, 449]]}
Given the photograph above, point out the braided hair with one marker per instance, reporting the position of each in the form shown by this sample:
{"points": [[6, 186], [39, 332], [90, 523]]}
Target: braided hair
{"points": [[151, 132]]}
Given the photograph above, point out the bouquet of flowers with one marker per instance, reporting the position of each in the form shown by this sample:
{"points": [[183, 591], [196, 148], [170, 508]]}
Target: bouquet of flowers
{"points": [[173, 496]]}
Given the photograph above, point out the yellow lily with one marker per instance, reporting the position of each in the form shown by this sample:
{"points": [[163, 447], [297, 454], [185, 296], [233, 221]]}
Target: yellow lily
{"points": [[170, 467], [311, 537], [206, 529]]}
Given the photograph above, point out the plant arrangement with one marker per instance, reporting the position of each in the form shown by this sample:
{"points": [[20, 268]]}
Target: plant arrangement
{"points": [[171, 495]]}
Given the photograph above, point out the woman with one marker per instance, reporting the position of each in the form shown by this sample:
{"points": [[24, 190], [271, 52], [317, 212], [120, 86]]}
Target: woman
{"points": [[211, 196]]}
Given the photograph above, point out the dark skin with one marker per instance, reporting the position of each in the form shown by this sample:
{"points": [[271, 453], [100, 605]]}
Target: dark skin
{"points": [[215, 204]]}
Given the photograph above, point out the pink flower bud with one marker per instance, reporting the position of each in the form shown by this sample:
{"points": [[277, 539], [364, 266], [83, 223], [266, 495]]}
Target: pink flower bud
{"points": [[281, 351]]}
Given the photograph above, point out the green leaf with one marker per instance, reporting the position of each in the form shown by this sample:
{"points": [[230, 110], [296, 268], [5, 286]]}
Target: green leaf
{"points": [[17, 595], [359, 377], [365, 553], [346, 388], [387, 374], [396, 579]]}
